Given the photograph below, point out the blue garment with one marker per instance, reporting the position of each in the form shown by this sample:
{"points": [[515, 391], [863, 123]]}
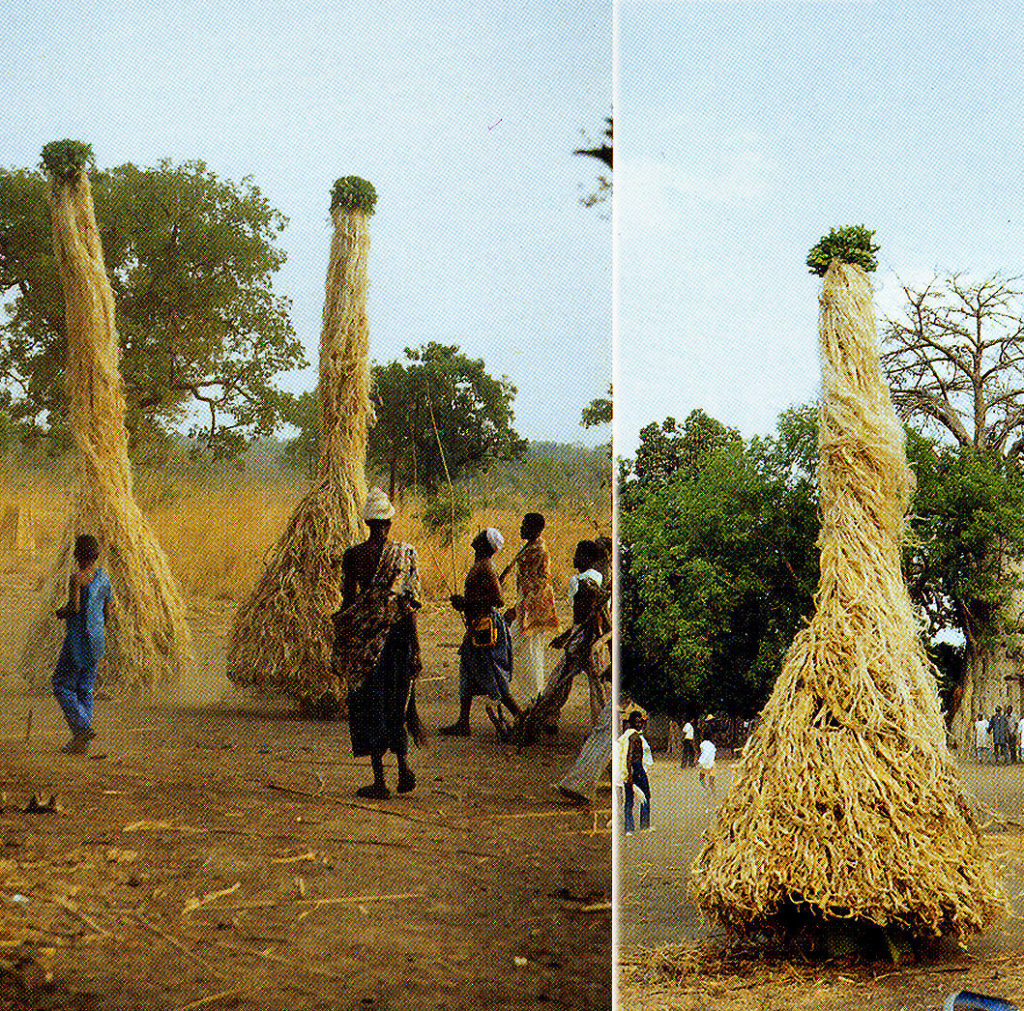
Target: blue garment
{"points": [[641, 782], [84, 643], [487, 671]]}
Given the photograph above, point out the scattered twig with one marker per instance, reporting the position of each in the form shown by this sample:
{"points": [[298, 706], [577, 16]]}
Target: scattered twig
{"points": [[535, 814], [253, 953], [212, 999], [293, 860], [75, 911], [174, 942], [369, 842], [337, 900]]}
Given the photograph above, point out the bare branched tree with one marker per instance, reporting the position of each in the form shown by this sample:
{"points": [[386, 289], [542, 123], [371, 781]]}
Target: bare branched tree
{"points": [[957, 361]]}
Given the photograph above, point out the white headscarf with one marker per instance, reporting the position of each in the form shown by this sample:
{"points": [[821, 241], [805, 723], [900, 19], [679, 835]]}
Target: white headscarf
{"points": [[494, 538]]}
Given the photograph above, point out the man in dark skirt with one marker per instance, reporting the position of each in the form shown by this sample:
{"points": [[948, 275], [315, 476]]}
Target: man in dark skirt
{"points": [[376, 647]]}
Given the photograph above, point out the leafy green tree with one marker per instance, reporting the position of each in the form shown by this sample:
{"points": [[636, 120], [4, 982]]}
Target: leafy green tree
{"points": [[598, 411], [303, 413], [968, 518], [955, 364], [190, 259], [719, 562], [437, 386], [438, 395], [666, 449], [718, 566]]}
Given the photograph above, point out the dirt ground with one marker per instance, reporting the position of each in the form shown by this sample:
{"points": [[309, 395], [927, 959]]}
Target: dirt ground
{"points": [[671, 958], [211, 852]]}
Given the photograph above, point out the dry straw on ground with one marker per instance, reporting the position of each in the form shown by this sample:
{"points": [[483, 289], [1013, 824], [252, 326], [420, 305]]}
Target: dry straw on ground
{"points": [[281, 638], [148, 640], [846, 802]]}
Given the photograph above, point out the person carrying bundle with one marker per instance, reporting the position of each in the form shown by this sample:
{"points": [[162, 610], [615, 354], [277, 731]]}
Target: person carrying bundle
{"points": [[533, 618], [485, 656], [376, 651]]}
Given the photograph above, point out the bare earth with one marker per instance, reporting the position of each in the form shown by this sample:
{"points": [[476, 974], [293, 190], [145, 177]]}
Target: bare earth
{"points": [[670, 957], [211, 852]]}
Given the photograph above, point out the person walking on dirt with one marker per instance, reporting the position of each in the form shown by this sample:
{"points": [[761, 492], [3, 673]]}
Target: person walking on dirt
{"points": [[485, 656], [533, 618], [1011, 735], [997, 728], [689, 752], [981, 737], [376, 651], [706, 768], [86, 614], [635, 759]]}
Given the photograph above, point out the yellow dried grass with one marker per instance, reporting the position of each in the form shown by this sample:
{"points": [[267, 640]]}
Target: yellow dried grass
{"points": [[846, 802], [281, 637], [148, 640]]}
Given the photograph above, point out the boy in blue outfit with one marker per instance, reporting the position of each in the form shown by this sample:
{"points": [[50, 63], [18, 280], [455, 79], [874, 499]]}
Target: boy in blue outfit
{"points": [[86, 614]]}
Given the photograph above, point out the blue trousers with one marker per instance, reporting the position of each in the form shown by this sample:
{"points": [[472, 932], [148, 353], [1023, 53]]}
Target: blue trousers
{"points": [[72, 687], [639, 780]]}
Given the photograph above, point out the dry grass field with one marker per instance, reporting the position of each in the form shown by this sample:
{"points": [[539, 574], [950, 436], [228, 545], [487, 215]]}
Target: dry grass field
{"points": [[217, 529]]}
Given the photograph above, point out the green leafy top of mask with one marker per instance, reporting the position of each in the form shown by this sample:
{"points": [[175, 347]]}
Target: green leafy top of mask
{"points": [[848, 245], [353, 194], [65, 159]]}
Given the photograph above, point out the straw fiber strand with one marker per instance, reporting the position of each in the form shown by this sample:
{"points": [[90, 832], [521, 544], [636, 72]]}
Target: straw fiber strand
{"points": [[148, 639], [282, 635], [846, 803]]}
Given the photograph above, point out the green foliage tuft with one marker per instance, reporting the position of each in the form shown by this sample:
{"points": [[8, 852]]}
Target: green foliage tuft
{"points": [[65, 159], [848, 245], [353, 194]]}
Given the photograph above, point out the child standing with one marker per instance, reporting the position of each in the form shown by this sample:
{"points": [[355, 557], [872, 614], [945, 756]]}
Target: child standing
{"points": [[706, 767], [86, 614]]}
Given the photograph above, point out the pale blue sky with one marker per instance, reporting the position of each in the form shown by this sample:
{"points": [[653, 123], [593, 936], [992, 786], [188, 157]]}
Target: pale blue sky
{"points": [[462, 115], [745, 131]]}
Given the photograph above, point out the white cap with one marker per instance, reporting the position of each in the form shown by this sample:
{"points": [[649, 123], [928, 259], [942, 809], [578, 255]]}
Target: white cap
{"points": [[378, 506], [494, 538]]}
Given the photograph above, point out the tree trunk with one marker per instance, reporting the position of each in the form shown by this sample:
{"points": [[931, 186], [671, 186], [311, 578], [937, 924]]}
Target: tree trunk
{"points": [[675, 738]]}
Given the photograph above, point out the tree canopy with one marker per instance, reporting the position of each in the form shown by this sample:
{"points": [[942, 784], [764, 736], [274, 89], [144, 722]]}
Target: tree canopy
{"points": [[955, 361], [434, 385], [190, 259], [718, 563], [719, 556]]}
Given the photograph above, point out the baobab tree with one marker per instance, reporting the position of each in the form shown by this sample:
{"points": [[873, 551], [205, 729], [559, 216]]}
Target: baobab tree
{"points": [[955, 362]]}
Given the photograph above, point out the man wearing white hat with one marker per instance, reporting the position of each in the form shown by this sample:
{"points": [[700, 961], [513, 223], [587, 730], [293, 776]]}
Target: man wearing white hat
{"points": [[485, 656], [376, 646]]}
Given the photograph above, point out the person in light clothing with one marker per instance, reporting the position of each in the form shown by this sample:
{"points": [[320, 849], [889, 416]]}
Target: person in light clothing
{"points": [[533, 620], [689, 752], [981, 737], [706, 767], [634, 759]]}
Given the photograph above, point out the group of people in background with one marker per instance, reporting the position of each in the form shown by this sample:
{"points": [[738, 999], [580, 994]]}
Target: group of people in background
{"points": [[1001, 735]]}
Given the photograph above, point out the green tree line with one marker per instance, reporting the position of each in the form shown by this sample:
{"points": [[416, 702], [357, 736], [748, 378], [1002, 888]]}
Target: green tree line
{"points": [[719, 564]]}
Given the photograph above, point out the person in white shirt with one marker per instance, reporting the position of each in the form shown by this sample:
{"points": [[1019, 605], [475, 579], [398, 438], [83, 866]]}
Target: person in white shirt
{"points": [[706, 767], [689, 755], [1020, 737], [634, 759], [980, 736]]}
